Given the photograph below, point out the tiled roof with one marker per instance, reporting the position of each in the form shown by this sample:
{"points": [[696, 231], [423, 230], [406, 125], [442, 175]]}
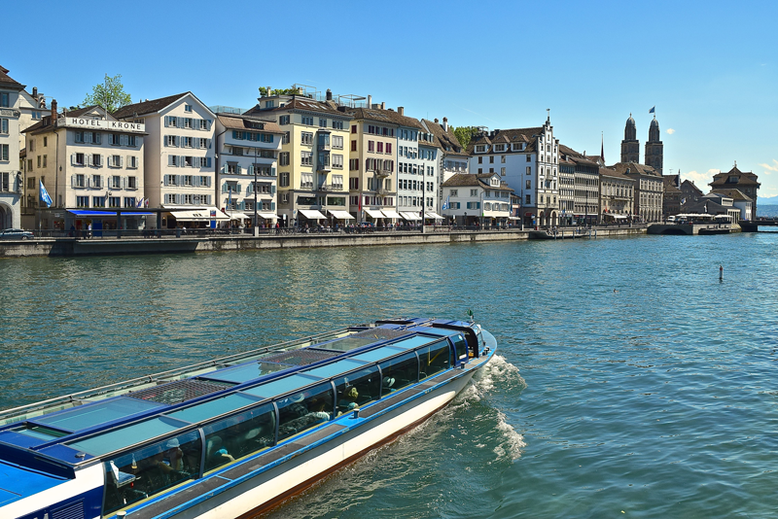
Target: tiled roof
{"points": [[743, 178], [7, 81], [572, 156], [635, 168], [384, 116], [303, 104], [147, 107], [237, 122], [81, 111], [526, 135], [469, 180], [734, 194], [446, 139], [610, 172]]}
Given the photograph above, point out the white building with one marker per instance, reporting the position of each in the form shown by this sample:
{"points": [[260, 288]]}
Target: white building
{"points": [[452, 158], [481, 200], [90, 164], [528, 160], [11, 184], [248, 150], [180, 158]]}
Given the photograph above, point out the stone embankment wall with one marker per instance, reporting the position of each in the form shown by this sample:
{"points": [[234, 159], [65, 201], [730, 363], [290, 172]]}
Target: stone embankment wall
{"points": [[73, 247]]}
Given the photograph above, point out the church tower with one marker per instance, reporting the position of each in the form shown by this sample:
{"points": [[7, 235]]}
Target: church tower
{"points": [[654, 147], [630, 147]]}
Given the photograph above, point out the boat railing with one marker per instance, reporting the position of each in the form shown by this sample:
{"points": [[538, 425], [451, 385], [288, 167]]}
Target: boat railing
{"points": [[15, 414]]}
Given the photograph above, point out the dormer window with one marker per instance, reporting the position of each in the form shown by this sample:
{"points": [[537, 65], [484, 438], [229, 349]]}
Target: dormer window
{"points": [[732, 179], [480, 148]]}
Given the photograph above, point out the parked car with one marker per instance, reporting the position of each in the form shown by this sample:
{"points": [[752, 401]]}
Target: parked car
{"points": [[15, 234]]}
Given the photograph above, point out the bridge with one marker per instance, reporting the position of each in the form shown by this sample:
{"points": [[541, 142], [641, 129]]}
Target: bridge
{"points": [[752, 225]]}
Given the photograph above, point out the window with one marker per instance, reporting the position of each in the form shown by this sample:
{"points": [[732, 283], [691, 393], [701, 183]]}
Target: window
{"points": [[480, 148], [283, 158], [529, 170], [82, 201], [4, 126], [79, 180], [491, 159], [398, 373], [502, 171], [5, 99], [132, 183], [114, 201], [337, 161], [302, 411], [132, 162], [115, 161], [337, 142], [322, 122], [473, 192], [308, 120], [306, 158], [502, 159], [115, 182], [307, 138], [480, 160], [97, 182], [129, 201], [286, 139], [284, 179], [337, 125], [284, 119], [353, 128], [528, 185], [306, 180], [98, 201], [186, 142], [353, 145], [78, 159], [171, 140], [371, 146]]}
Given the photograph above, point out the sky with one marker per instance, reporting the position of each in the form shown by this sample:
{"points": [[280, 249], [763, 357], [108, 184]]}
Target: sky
{"points": [[709, 67]]}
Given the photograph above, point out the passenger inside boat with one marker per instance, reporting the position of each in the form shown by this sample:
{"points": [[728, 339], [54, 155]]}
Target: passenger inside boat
{"points": [[358, 389], [304, 410]]}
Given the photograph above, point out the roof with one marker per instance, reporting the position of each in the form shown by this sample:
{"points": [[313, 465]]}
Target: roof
{"points": [[747, 178], [688, 185], [384, 116], [633, 168], [526, 135], [567, 154], [734, 194], [302, 104], [7, 81], [147, 107], [446, 140], [477, 180], [242, 122], [610, 172]]}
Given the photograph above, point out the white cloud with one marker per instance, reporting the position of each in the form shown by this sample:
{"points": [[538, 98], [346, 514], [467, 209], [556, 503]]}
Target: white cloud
{"points": [[700, 180], [670, 131], [768, 168]]}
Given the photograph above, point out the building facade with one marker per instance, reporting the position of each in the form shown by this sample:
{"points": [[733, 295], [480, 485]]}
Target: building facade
{"points": [[312, 163], [617, 196], [581, 183], [746, 182], [481, 200], [179, 158], [89, 162], [452, 158], [671, 198], [11, 179], [528, 160], [648, 191], [246, 162]]}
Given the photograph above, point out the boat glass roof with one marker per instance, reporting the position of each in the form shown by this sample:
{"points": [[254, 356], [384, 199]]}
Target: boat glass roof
{"points": [[86, 416], [245, 372], [117, 439], [213, 408], [336, 368], [281, 386], [378, 354]]}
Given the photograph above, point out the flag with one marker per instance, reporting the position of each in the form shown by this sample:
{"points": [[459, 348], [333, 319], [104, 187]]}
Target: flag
{"points": [[139, 203], [446, 203], [146, 202], [653, 108], [44, 195]]}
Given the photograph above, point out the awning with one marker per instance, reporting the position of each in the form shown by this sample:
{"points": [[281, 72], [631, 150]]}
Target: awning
{"points": [[432, 214], [514, 218], [267, 216], [412, 217], [390, 213], [238, 216], [616, 216], [341, 215], [312, 214], [108, 214], [374, 213], [204, 214]]}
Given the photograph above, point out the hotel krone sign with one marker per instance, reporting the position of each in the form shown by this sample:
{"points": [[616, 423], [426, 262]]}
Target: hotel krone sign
{"points": [[88, 123]]}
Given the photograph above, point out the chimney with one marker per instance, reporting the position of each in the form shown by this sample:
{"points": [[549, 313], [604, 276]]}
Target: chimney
{"points": [[401, 110], [445, 124], [329, 95], [35, 93], [383, 105], [370, 101], [436, 120], [53, 111], [268, 91]]}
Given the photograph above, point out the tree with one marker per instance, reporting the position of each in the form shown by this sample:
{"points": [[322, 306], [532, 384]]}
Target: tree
{"points": [[279, 92], [110, 94], [465, 134]]}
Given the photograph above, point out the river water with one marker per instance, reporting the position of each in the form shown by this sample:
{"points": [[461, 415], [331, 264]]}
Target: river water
{"points": [[631, 381]]}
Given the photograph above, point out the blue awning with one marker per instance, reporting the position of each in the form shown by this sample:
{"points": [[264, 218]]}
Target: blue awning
{"points": [[87, 212]]}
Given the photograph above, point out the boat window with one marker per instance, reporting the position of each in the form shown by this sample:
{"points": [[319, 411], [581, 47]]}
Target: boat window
{"points": [[245, 372], [90, 415], [123, 437], [357, 389], [413, 342], [305, 409], [213, 408], [240, 435], [378, 354], [399, 372], [335, 368], [281, 386], [434, 359], [460, 345], [151, 469]]}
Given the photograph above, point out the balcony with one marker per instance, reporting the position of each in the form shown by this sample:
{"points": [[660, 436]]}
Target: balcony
{"points": [[381, 172], [330, 187], [324, 168]]}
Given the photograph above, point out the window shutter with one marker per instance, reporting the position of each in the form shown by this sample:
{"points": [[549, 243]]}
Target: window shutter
{"points": [[167, 121], [272, 206], [273, 189], [73, 181], [176, 141], [208, 163], [178, 180], [121, 162], [224, 188]]}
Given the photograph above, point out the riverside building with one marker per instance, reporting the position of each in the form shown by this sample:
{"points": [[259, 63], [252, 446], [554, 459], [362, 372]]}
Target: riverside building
{"points": [[617, 196], [452, 158], [482, 200], [648, 190], [11, 182], [312, 173], [179, 157], [528, 160], [247, 157], [744, 181], [92, 166]]}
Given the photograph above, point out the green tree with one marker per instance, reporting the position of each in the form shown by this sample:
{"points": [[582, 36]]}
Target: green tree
{"points": [[465, 134], [278, 91], [110, 94]]}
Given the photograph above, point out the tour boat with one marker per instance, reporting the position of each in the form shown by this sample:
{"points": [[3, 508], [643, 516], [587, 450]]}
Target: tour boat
{"points": [[235, 436]]}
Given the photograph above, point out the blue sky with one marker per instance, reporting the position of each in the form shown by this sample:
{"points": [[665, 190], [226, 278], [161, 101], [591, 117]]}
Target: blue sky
{"points": [[710, 68]]}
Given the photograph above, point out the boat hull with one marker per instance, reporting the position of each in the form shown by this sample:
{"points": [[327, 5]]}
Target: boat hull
{"points": [[260, 491]]}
